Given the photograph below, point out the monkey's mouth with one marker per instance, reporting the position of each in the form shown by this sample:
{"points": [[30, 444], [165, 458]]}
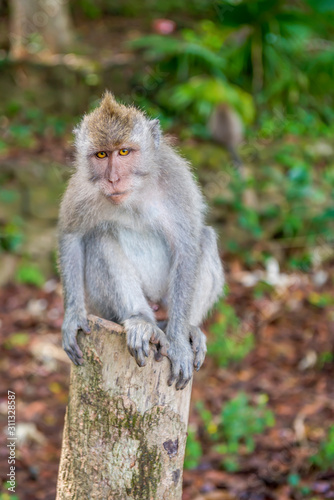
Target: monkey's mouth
{"points": [[118, 194]]}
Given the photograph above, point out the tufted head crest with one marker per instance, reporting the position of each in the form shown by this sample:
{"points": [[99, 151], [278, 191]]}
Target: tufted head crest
{"points": [[111, 123]]}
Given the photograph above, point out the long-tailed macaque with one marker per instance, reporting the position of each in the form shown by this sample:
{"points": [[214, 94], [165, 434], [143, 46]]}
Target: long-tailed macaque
{"points": [[132, 235]]}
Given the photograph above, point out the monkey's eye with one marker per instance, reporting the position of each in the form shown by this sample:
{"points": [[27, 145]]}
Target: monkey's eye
{"points": [[101, 154], [124, 152]]}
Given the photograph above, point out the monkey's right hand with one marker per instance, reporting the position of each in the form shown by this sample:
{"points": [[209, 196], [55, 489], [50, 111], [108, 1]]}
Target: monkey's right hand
{"points": [[72, 323], [140, 331]]}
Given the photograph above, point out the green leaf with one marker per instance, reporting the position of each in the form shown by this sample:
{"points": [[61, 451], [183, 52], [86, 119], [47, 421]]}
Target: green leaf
{"points": [[17, 340], [30, 274], [294, 479], [193, 452]]}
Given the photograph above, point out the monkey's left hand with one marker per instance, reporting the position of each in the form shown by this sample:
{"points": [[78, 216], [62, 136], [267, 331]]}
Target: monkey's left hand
{"points": [[182, 360], [198, 345]]}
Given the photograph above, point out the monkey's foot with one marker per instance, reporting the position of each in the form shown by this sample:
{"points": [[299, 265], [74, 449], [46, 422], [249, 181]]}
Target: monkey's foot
{"points": [[198, 345], [72, 323], [139, 333], [182, 359]]}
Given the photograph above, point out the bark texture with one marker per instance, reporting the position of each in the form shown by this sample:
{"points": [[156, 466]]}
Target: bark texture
{"points": [[125, 429]]}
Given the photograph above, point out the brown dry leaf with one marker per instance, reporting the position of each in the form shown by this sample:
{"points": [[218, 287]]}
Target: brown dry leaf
{"points": [[32, 410], [217, 477], [216, 495]]}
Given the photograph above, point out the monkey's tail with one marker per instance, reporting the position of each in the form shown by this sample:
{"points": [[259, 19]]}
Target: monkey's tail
{"points": [[236, 160]]}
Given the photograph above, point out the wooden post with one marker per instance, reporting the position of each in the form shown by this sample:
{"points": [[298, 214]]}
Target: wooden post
{"points": [[125, 429]]}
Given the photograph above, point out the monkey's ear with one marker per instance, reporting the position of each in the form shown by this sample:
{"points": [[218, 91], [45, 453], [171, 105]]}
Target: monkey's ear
{"points": [[155, 131]]}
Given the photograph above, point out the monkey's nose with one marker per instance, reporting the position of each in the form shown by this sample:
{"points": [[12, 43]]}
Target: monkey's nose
{"points": [[113, 180]]}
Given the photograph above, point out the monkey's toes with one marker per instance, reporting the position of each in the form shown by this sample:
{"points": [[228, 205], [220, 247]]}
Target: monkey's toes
{"points": [[198, 345], [159, 337], [181, 366], [138, 350], [181, 374]]}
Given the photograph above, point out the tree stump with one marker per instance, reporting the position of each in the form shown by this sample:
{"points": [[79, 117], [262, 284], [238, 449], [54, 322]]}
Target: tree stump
{"points": [[125, 429]]}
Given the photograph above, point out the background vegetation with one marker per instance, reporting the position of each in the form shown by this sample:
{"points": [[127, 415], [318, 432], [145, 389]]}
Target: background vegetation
{"points": [[262, 407]]}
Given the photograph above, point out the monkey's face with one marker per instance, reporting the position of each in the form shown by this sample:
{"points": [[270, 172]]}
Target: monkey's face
{"points": [[116, 171], [117, 145]]}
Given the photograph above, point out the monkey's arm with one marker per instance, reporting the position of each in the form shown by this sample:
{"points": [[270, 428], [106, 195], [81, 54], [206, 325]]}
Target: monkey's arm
{"points": [[181, 290], [71, 260]]}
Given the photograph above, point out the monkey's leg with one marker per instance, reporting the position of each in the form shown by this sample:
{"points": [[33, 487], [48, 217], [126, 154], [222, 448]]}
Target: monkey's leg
{"points": [[209, 286], [114, 291]]}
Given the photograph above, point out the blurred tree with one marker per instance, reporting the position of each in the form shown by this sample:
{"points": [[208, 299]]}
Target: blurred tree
{"points": [[36, 26]]}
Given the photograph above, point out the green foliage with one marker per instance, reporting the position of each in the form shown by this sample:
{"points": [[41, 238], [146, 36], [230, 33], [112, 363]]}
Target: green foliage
{"points": [[276, 123], [7, 496], [199, 95], [193, 450], [20, 339], [262, 288], [226, 343], [178, 68], [8, 195], [238, 424], [30, 274], [96, 9], [27, 123], [279, 51], [325, 358], [90, 8], [292, 208], [324, 458], [294, 480], [11, 235], [321, 300], [186, 56]]}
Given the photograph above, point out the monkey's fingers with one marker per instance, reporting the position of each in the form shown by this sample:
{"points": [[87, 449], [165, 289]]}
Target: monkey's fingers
{"points": [[70, 345], [185, 375], [159, 340], [84, 326], [175, 372], [73, 357], [157, 354], [181, 359], [135, 346], [74, 352], [198, 345], [138, 333], [182, 383], [159, 337]]}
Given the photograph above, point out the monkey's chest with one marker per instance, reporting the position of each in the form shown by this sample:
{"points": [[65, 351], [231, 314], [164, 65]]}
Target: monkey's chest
{"points": [[149, 255]]}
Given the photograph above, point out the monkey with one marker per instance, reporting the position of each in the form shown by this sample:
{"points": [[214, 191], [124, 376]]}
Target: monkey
{"points": [[132, 235], [226, 128]]}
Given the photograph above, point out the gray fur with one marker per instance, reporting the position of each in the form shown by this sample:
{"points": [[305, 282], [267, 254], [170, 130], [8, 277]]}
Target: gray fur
{"points": [[152, 246]]}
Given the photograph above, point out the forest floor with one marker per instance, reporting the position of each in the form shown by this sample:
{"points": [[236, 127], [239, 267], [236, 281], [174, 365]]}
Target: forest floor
{"points": [[291, 363]]}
